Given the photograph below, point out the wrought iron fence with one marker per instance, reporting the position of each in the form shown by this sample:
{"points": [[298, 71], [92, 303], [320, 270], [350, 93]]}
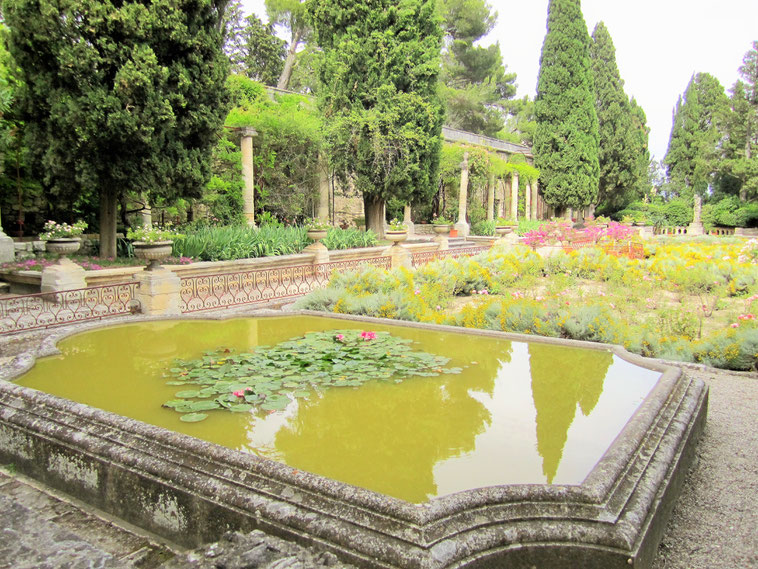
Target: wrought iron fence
{"points": [[207, 292], [429, 256], [48, 309]]}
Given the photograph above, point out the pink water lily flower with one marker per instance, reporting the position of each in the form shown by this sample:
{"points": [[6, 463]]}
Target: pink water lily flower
{"points": [[241, 392], [340, 337], [368, 335]]}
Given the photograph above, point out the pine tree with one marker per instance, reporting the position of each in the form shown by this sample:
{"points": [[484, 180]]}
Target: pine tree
{"points": [[252, 46], [566, 138], [120, 96], [292, 15], [475, 84], [622, 146], [696, 135], [379, 96]]}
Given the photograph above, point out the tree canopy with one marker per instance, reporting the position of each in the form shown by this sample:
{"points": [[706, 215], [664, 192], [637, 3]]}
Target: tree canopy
{"points": [[119, 97], [566, 139], [475, 84], [622, 146], [696, 135], [378, 94]]}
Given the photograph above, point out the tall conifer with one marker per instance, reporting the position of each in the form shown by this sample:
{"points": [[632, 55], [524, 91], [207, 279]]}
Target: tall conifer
{"points": [[622, 139], [566, 138]]}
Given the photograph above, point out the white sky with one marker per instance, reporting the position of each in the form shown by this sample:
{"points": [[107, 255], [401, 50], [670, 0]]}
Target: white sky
{"points": [[659, 44]]}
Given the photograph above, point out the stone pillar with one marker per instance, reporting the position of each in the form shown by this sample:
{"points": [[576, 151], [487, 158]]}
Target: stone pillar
{"points": [[507, 198], [323, 186], [462, 225], [528, 200], [696, 227], [535, 201], [514, 196], [491, 197], [146, 214], [159, 292], [64, 275], [400, 256], [248, 195], [7, 248], [407, 219], [501, 204]]}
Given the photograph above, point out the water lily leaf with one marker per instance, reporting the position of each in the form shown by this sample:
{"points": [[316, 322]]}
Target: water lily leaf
{"points": [[301, 393], [193, 417], [204, 405], [187, 394], [176, 383], [276, 405], [241, 408]]}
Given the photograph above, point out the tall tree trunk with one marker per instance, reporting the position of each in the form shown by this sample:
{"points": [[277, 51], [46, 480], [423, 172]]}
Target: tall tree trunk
{"points": [[108, 215], [289, 63], [373, 209]]}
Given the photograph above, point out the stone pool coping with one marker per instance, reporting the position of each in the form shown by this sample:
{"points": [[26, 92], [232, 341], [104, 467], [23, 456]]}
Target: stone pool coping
{"points": [[192, 491]]}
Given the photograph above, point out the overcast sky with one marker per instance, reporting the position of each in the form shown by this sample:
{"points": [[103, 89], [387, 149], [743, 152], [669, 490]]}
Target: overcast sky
{"points": [[660, 44]]}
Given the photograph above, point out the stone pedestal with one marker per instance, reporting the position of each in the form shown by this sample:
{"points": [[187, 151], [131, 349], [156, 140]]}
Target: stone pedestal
{"points": [[7, 249], [442, 242], [400, 256], [158, 292], [320, 252], [64, 275]]}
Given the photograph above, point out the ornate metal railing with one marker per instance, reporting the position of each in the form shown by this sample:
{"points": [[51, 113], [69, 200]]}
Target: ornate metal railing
{"points": [[429, 256], [207, 292], [48, 309]]}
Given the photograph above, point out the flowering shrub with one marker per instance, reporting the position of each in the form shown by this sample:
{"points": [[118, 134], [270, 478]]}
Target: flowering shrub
{"points": [[749, 253], [152, 234], [55, 230]]}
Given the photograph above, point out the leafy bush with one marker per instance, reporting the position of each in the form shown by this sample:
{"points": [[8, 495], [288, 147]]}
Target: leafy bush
{"points": [[350, 238], [678, 213], [240, 242], [747, 216], [486, 228]]}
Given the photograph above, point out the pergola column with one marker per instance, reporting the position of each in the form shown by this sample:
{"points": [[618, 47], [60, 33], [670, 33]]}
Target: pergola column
{"points": [[514, 196], [323, 185], [528, 200], [491, 197], [535, 200], [462, 225], [407, 220], [248, 196]]}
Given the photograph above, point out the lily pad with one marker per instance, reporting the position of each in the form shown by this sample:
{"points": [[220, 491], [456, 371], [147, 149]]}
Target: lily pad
{"points": [[193, 417]]}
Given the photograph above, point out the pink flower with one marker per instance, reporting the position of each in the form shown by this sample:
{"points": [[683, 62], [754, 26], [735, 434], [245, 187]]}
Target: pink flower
{"points": [[417, 291], [368, 335], [735, 325], [241, 392], [439, 307], [339, 337]]}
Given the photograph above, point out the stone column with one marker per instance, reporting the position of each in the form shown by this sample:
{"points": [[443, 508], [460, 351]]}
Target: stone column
{"points": [[248, 196], [514, 196], [462, 225], [491, 197], [507, 198], [407, 219], [7, 248], [146, 214], [159, 291], [323, 186], [528, 200], [535, 201], [501, 204]]}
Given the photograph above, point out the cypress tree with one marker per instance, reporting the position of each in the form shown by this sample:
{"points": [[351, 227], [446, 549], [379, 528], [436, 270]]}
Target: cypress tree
{"points": [[622, 144], [566, 138], [696, 135], [379, 96]]}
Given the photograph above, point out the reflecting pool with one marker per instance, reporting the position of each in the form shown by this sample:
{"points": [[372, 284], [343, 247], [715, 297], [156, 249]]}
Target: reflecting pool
{"points": [[519, 413]]}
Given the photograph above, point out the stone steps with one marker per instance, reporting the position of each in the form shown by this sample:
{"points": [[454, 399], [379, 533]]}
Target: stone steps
{"points": [[46, 530]]}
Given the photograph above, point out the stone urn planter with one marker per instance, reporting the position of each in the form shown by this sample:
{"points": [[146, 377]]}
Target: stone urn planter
{"points": [[503, 230], [316, 234], [396, 236], [442, 229], [63, 245], [154, 252]]}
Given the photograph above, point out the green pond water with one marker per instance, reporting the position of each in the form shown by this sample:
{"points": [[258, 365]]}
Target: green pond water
{"points": [[518, 413]]}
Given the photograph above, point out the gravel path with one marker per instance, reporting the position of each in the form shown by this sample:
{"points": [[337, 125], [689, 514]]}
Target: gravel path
{"points": [[713, 525]]}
